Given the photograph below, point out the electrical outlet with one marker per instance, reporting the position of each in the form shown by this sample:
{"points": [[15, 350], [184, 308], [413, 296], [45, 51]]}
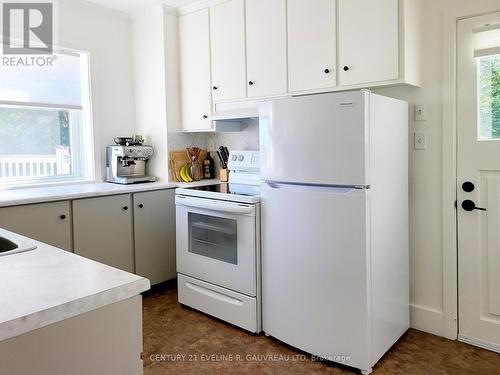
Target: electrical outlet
{"points": [[420, 112], [420, 141]]}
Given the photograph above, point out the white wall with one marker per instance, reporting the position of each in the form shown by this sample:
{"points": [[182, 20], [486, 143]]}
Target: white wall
{"points": [[105, 34], [426, 188], [149, 84]]}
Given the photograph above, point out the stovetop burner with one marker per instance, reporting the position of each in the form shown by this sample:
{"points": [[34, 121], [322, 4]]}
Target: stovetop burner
{"points": [[224, 191], [228, 188]]}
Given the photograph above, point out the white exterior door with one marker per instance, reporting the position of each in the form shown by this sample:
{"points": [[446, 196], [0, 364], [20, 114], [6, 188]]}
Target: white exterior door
{"points": [[227, 39], [368, 41], [478, 180], [194, 31], [266, 47], [311, 44]]}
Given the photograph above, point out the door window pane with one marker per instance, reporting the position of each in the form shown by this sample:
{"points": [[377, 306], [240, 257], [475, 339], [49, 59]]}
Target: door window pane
{"points": [[213, 237], [489, 97]]}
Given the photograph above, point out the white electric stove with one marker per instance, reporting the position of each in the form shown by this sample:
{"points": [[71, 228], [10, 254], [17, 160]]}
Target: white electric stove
{"points": [[218, 244]]}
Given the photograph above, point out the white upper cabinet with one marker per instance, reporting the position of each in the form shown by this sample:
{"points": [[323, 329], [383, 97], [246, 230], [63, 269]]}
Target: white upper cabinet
{"points": [[266, 47], [232, 50], [196, 90], [227, 40], [311, 44], [368, 41]]}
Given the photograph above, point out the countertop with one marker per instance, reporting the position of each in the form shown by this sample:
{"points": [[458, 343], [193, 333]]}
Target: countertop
{"points": [[48, 285], [16, 197]]}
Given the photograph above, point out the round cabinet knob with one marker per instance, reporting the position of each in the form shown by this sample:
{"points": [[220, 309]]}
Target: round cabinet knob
{"points": [[125, 208], [468, 186], [215, 87], [346, 68], [251, 83], [141, 206], [469, 205], [327, 71], [62, 217], [234, 158], [241, 157], [205, 117]]}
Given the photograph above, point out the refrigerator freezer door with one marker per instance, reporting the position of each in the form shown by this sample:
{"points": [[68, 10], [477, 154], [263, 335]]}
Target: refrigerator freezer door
{"points": [[315, 261], [317, 139]]}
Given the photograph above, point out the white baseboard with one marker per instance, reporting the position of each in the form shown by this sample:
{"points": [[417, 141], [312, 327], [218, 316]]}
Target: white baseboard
{"points": [[427, 320]]}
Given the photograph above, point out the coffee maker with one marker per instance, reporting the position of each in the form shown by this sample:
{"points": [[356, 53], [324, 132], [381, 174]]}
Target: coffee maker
{"points": [[126, 162]]}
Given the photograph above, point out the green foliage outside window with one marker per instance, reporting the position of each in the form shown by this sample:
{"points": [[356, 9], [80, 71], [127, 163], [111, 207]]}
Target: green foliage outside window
{"points": [[34, 131], [489, 97]]}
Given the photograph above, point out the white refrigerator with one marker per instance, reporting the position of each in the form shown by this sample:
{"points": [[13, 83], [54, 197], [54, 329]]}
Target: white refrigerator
{"points": [[334, 170]]}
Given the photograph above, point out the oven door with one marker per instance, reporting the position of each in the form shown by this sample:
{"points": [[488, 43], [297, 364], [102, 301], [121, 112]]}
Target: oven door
{"points": [[216, 242]]}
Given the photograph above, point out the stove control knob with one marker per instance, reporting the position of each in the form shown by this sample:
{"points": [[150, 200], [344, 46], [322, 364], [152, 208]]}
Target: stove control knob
{"points": [[234, 158], [241, 157]]}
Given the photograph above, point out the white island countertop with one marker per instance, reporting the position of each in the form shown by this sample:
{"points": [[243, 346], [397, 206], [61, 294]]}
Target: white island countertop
{"points": [[20, 196], [48, 285]]}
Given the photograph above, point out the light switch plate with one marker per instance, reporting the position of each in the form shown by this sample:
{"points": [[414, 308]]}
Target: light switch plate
{"points": [[420, 112], [420, 141]]}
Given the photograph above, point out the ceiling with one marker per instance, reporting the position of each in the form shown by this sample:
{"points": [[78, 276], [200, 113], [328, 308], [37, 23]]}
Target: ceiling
{"points": [[130, 6]]}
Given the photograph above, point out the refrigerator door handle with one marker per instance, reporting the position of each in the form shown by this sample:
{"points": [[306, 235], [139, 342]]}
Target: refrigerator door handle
{"points": [[339, 189]]}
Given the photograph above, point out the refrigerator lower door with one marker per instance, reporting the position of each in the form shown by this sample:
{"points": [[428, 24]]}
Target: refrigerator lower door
{"points": [[315, 264]]}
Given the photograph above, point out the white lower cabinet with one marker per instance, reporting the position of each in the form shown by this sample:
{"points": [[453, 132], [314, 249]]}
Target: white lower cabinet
{"points": [[154, 235], [102, 230], [46, 222]]}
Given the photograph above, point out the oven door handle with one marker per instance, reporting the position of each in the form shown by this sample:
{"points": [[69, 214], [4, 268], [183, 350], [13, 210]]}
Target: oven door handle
{"points": [[216, 205]]}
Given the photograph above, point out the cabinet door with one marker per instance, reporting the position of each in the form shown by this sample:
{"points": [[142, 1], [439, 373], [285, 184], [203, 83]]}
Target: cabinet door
{"points": [[102, 230], [46, 222], [311, 44], [266, 47], [368, 41], [194, 33], [154, 233], [227, 41]]}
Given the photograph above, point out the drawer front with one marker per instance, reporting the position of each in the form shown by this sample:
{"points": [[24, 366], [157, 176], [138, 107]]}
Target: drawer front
{"points": [[222, 303]]}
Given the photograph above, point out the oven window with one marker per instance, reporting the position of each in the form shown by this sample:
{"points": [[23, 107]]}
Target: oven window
{"points": [[213, 237]]}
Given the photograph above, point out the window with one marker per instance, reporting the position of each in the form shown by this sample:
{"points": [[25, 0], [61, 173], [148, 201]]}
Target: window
{"points": [[489, 97], [45, 127]]}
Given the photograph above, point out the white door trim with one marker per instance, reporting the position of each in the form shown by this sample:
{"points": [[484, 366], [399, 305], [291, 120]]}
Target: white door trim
{"points": [[449, 154]]}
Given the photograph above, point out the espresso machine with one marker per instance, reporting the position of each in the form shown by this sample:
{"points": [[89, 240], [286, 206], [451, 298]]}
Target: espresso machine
{"points": [[126, 161]]}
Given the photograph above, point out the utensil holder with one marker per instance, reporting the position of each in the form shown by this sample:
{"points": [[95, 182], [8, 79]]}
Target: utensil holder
{"points": [[224, 175]]}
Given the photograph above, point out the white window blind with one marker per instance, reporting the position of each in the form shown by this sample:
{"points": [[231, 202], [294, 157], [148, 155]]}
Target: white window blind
{"points": [[56, 86], [487, 41]]}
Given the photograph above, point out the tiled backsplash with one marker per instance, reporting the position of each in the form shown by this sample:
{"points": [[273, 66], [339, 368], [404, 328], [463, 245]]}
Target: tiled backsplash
{"points": [[247, 139]]}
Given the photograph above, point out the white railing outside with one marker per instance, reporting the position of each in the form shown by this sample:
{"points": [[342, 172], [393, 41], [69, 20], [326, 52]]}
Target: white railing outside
{"points": [[12, 166]]}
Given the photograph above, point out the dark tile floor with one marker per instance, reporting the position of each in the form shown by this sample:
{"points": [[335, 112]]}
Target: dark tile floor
{"points": [[179, 340]]}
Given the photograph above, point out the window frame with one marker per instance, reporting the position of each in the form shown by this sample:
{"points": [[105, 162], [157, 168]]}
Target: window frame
{"points": [[82, 139]]}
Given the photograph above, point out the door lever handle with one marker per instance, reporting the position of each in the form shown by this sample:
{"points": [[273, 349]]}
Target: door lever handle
{"points": [[469, 205]]}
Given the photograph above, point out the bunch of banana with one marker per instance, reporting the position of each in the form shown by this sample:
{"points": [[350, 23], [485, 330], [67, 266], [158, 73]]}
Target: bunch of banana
{"points": [[184, 172]]}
